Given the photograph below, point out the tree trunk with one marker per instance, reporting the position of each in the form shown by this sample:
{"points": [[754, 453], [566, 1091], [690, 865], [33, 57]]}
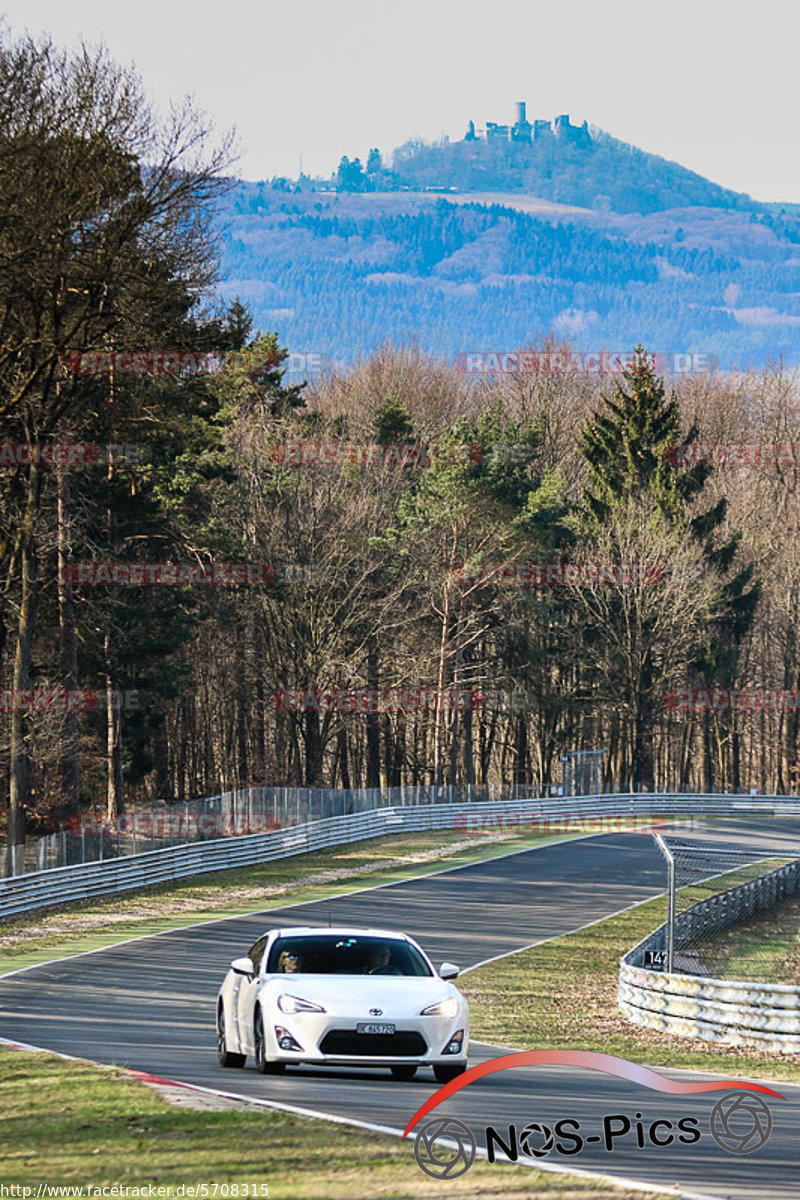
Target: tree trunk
{"points": [[19, 766], [70, 773], [115, 797], [520, 749], [469, 748], [313, 740], [344, 767], [643, 732], [371, 718], [438, 735]]}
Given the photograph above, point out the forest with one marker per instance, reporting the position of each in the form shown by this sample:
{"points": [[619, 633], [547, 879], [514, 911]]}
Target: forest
{"points": [[550, 555], [344, 275]]}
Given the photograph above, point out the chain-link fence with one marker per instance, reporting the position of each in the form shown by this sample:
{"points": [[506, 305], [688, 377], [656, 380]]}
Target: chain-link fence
{"points": [[733, 912], [91, 837]]}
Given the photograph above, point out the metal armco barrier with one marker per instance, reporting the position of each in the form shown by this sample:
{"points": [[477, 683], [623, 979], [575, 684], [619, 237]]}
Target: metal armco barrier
{"points": [[595, 814], [728, 1011]]}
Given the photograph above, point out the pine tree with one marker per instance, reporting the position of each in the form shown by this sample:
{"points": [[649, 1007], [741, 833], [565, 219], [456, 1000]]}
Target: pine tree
{"points": [[628, 453], [627, 449]]}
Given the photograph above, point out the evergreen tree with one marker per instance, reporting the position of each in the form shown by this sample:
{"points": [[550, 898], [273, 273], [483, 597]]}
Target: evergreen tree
{"points": [[393, 423], [628, 453], [626, 449]]}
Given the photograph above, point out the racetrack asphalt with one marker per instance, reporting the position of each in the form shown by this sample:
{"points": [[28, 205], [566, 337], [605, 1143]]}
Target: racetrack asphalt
{"points": [[149, 1004]]}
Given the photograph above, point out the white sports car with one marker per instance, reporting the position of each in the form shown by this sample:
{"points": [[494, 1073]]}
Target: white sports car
{"points": [[342, 997]]}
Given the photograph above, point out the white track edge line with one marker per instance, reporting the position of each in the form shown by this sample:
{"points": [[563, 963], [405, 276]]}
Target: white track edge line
{"points": [[395, 883], [255, 912], [543, 941], [319, 1115], [557, 936]]}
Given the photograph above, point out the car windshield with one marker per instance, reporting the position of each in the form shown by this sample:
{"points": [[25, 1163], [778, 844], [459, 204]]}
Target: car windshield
{"points": [[330, 954]]}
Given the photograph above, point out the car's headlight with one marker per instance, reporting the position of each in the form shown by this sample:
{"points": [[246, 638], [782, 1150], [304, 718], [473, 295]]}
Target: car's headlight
{"points": [[443, 1008], [295, 1004]]}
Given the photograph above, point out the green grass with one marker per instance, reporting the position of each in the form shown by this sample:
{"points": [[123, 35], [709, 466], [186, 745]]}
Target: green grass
{"points": [[67, 1123], [75, 928], [564, 994], [761, 948], [766, 948]]}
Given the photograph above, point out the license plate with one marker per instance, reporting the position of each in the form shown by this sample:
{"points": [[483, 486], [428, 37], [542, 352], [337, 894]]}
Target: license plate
{"points": [[374, 1027]]}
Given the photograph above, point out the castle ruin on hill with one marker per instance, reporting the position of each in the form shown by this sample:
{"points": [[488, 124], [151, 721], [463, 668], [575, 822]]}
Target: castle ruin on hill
{"points": [[523, 131]]}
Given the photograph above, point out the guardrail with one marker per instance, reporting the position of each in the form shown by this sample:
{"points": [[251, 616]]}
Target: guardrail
{"points": [[91, 837], [595, 814], [732, 1012]]}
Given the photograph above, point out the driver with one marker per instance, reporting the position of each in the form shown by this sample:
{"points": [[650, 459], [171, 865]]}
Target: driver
{"points": [[380, 958]]}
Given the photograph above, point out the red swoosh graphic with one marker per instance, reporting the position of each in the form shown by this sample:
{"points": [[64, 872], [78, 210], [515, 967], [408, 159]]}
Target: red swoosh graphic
{"points": [[609, 1063]]}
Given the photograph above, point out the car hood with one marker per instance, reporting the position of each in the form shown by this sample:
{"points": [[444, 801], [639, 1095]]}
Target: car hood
{"points": [[359, 993]]}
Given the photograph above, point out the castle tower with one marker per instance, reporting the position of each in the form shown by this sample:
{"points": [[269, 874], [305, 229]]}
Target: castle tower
{"points": [[521, 131]]}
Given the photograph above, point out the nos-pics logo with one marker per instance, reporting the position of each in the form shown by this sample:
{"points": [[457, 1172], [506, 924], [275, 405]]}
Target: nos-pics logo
{"points": [[445, 1148], [740, 1122]]}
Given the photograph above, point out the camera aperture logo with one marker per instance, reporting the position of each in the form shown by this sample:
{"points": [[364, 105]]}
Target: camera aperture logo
{"points": [[740, 1122], [445, 1148]]}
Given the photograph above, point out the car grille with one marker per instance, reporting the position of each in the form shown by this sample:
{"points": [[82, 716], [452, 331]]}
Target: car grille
{"points": [[373, 1045]]}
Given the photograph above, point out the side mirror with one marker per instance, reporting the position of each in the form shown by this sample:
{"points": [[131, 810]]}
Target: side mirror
{"points": [[243, 966], [449, 971]]}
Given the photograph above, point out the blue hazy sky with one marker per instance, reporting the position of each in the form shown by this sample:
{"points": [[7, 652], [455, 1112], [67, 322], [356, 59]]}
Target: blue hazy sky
{"points": [[708, 83]]}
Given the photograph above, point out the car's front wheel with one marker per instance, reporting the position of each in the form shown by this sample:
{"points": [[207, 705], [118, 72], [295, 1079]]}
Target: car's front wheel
{"points": [[445, 1072], [225, 1056], [404, 1072], [263, 1064]]}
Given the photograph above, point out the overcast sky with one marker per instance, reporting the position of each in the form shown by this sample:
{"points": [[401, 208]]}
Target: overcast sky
{"points": [[702, 82]]}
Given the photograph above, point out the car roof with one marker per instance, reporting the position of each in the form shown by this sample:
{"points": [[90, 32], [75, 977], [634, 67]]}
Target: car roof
{"points": [[340, 931]]}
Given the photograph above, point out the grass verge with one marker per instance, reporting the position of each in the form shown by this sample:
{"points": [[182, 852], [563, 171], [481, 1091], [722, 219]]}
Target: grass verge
{"points": [[74, 928], [564, 994], [68, 1123], [767, 947]]}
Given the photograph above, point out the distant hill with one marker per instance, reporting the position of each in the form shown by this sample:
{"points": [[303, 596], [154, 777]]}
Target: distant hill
{"points": [[493, 243], [599, 173]]}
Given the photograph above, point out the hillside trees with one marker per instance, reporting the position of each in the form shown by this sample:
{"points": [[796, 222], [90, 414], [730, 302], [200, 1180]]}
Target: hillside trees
{"points": [[104, 231]]}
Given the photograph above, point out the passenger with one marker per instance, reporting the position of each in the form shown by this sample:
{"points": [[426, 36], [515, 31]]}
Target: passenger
{"points": [[288, 962]]}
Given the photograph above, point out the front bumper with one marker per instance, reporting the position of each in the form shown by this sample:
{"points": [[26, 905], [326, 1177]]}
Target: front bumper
{"points": [[324, 1038]]}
